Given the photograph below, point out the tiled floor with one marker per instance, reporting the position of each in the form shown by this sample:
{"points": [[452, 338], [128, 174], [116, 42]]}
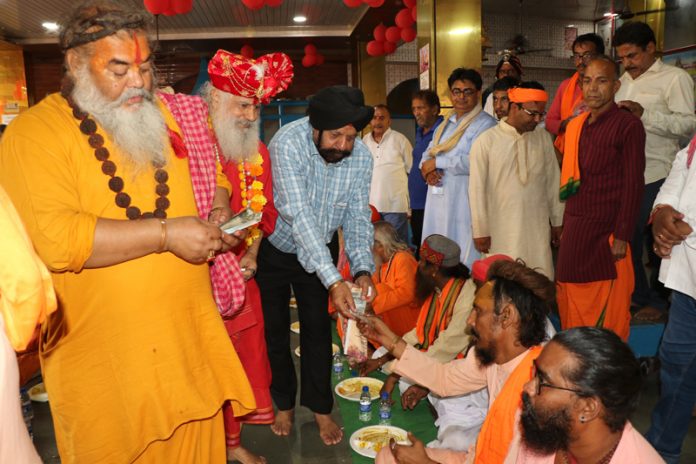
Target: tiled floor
{"points": [[303, 446]]}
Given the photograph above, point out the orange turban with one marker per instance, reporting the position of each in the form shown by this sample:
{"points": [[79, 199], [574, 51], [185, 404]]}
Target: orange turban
{"points": [[519, 95]]}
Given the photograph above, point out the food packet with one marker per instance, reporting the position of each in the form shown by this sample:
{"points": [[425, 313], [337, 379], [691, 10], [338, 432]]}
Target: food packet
{"points": [[354, 344]]}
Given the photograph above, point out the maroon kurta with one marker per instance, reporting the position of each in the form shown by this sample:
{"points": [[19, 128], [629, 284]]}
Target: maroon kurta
{"points": [[612, 160]]}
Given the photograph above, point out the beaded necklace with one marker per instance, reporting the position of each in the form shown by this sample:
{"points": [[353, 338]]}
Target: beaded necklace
{"points": [[89, 128]]}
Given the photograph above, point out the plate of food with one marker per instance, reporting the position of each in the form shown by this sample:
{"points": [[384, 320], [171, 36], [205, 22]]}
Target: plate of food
{"points": [[38, 393], [350, 389], [368, 441], [295, 327], [334, 348]]}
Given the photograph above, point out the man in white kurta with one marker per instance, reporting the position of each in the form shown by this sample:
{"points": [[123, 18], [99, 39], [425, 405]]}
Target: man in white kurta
{"points": [[447, 170], [513, 185], [392, 159]]}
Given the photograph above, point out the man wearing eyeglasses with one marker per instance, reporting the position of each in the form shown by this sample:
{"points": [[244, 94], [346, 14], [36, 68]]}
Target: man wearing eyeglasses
{"points": [[576, 407], [567, 103], [513, 184], [507, 325], [662, 96]]}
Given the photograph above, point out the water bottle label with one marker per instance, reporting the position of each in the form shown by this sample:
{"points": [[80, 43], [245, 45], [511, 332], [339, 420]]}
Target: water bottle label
{"points": [[338, 368], [385, 415], [365, 407]]}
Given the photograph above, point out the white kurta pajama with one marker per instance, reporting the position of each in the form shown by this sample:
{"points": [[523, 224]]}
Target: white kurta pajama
{"points": [[513, 190], [392, 159], [447, 205]]}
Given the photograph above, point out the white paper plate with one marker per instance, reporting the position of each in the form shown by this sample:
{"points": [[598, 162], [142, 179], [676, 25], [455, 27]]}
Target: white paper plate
{"points": [[350, 389], [295, 327], [38, 393], [370, 449], [334, 348]]}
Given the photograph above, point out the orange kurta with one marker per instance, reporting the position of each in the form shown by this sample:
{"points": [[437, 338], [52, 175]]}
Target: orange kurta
{"points": [[136, 349], [396, 293]]}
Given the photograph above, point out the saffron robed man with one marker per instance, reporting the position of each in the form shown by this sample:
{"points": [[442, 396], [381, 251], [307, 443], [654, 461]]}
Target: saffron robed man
{"points": [[136, 359]]}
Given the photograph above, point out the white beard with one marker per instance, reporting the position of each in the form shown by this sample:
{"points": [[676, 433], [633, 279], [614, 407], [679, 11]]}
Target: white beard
{"points": [[237, 143], [139, 133]]}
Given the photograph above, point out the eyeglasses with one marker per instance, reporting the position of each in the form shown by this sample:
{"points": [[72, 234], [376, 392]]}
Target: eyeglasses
{"points": [[459, 92], [540, 384], [585, 57], [533, 114]]}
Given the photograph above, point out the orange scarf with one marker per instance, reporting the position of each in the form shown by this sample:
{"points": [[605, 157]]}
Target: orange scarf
{"points": [[570, 171], [499, 427], [568, 103], [435, 317]]}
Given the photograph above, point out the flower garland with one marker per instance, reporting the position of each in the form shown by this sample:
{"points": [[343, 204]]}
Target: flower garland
{"points": [[252, 191]]}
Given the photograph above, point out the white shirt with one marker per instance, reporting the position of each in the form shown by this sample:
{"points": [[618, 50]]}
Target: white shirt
{"points": [[679, 191], [666, 94], [393, 157]]}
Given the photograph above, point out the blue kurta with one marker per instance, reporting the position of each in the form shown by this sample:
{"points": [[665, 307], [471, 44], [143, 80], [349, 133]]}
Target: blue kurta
{"points": [[447, 209]]}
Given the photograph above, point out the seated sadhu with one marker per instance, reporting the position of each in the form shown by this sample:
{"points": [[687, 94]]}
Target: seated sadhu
{"points": [[507, 325], [576, 407]]}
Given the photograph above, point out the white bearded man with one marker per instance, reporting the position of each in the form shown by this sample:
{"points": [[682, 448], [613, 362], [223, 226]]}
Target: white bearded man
{"points": [[237, 88], [136, 359]]}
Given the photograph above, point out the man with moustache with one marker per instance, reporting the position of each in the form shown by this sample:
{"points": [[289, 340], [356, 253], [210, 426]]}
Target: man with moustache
{"points": [[237, 88], [136, 359], [662, 96], [391, 160], [602, 184], [508, 325], [513, 184], [501, 102], [321, 181], [576, 407], [568, 103]]}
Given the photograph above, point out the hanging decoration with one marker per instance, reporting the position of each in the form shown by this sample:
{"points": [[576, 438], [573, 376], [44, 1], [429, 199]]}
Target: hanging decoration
{"points": [[357, 3], [168, 7], [312, 57], [408, 34], [247, 51], [258, 4], [404, 19]]}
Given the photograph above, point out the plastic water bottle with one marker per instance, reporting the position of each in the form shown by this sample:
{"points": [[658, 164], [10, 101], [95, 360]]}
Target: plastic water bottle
{"points": [[338, 365], [384, 409], [365, 405]]}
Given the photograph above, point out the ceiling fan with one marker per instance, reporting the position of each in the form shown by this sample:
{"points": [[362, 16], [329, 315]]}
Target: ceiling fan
{"points": [[626, 13], [519, 44]]}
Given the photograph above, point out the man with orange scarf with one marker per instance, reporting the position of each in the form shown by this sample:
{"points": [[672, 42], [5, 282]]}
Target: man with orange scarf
{"points": [[568, 102], [508, 328], [602, 183]]}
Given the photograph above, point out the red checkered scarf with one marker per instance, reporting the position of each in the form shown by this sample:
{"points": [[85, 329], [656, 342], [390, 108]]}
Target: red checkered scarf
{"points": [[191, 114]]}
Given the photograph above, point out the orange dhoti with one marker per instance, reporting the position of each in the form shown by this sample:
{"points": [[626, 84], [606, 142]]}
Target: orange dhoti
{"points": [[605, 303]]}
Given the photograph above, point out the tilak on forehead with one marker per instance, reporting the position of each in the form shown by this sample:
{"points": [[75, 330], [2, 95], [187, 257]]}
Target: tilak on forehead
{"points": [[138, 55]]}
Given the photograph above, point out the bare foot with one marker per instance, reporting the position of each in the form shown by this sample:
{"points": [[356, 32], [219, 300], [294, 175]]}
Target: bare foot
{"points": [[244, 456], [283, 422], [329, 432]]}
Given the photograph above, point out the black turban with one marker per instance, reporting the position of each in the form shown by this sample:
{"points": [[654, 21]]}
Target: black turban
{"points": [[337, 106]]}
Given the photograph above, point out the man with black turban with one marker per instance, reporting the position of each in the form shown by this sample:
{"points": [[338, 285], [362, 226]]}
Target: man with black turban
{"points": [[321, 181]]}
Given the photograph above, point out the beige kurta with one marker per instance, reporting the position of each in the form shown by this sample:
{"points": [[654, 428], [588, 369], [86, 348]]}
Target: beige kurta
{"points": [[513, 192]]}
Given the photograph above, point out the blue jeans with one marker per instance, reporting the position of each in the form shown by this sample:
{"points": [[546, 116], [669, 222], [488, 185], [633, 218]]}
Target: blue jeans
{"points": [[400, 223], [672, 414]]}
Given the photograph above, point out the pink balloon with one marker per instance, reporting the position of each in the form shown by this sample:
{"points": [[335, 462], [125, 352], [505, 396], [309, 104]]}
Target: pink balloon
{"points": [[274, 3], [309, 60], [408, 34], [352, 3], [375, 3], [379, 32], [410, 3], [393, 34], [310, 49], [320, 59], [414, 13], [182, 6], [247, 51], [375, 48], [403, 18], [389, 47], [253, 4]]}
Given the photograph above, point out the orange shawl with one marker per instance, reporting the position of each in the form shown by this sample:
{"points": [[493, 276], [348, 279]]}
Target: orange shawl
{"points": [[568, 103], [570, 171], [499, 427], [435, 316]]}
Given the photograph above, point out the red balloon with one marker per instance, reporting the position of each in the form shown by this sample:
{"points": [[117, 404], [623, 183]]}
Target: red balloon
{"points": [[393, 34], [310, 49], [169, 11], [410, 3], [253, 4], [352, 3], [375, 3], [320, 59], [375, 48], [389, 47], [156, 6], [274, 3], [379, 31], [247, 51], [408, 34], [414, 13], [403, 18], [182, 6], [309, 60]]}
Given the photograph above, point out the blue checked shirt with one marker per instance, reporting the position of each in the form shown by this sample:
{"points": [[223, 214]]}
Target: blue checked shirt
{"points": [[314, 198]]}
